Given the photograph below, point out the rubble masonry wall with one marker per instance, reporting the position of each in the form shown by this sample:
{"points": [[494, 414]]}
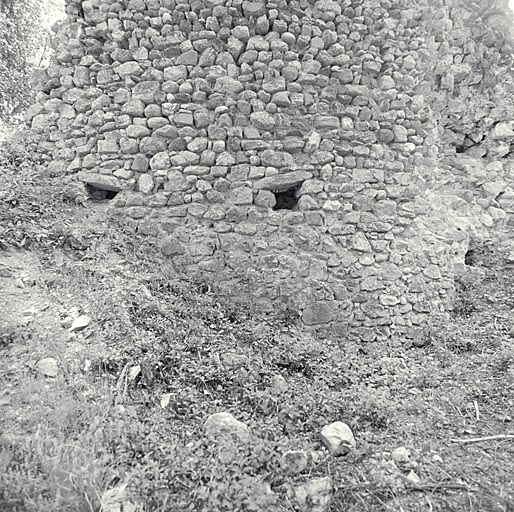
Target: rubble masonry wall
{"points": [[331, 156]]}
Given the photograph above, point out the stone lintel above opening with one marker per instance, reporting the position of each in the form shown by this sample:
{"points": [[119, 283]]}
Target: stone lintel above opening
{"points": [[281, 182], [100, 181]]}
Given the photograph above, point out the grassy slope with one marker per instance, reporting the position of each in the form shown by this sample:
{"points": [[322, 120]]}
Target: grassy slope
{"points": [[66, 440]]}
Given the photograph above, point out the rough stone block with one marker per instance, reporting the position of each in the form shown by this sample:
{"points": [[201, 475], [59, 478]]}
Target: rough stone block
{"points": [[283, 181], [278, 159], [100, 181], [146, 91], [319, 313]]}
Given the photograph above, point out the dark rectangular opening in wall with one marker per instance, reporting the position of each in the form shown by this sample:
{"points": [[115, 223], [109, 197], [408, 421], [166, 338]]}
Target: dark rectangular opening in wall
{"points": [[99, 194], [286, 199]]}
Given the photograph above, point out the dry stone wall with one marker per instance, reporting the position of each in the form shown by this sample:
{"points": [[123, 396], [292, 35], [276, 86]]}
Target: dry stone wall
{"points": [[330, 156]]}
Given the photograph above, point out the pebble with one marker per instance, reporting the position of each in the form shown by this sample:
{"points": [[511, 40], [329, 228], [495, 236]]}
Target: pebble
{"points": [[338, 438], [401, 454], [221, 424], [80, 323], [134, 372], [437, 458], [165, 400], [413, 477], [48, 366], [279, 383]]}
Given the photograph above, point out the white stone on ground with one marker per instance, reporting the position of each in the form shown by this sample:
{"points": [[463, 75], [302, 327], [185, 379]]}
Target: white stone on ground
{"points": [[401, 454], [279, 383], [413, 478], [81, 322], [338, 438], [48, 366], [221, 424]]}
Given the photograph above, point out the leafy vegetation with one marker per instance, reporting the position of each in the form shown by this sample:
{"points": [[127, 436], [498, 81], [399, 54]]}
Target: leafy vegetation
{"points": [[22, 36]]}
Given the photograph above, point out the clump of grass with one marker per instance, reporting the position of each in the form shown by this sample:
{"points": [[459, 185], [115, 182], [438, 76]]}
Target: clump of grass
{"points": [[31, 201], [55, 458]]}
